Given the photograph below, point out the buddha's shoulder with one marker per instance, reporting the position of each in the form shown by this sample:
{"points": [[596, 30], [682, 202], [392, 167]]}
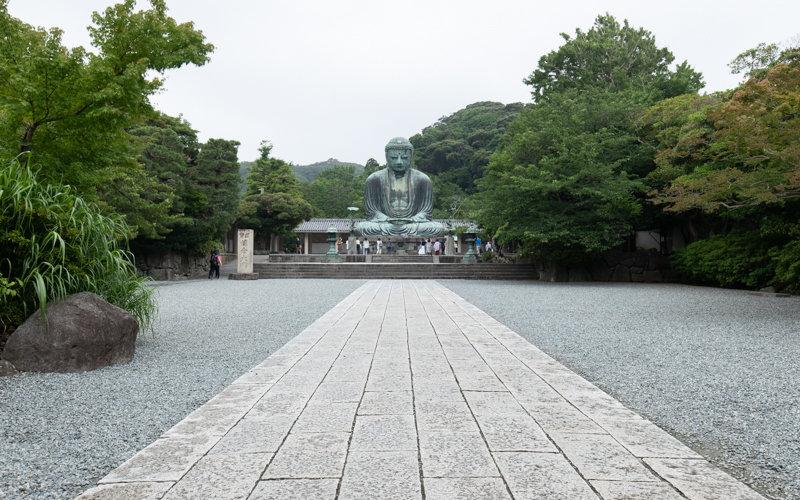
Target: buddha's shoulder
{"points": [[419, 175], [377, 176]]}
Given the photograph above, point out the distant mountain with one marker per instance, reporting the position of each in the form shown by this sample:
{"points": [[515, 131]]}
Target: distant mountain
{"points": [[307, 173]]}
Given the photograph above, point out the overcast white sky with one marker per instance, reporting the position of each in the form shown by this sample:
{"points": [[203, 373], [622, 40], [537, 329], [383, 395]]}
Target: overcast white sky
{"points": [[323, 78]]}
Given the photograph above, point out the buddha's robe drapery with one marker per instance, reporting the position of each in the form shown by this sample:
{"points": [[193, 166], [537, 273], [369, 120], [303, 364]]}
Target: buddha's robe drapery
{"points": [[412, 217]]}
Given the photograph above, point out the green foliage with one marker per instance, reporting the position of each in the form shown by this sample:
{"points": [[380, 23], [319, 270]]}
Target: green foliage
{"points": [[201, 181], [758, 61], [273, 213], [745, 155], [71, 107], [333, 190], [272, 175], [613, 58], [457, 148], [738, 259], [565, 182], [307, 173], [54, 244], [274, 203]]}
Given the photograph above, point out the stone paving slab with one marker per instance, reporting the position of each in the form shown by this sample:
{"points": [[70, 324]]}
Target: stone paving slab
{"points": [[406, 391]]}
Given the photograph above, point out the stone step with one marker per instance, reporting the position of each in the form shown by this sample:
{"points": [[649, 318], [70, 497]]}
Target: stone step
{"points": [[395, 271]]}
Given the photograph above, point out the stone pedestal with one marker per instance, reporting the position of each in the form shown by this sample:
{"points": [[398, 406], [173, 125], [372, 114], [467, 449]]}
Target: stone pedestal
{"points": [[449, 247], [351, 245], [244, 260]]}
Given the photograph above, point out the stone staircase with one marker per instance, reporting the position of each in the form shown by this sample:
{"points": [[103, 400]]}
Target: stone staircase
{"points": [[395, 270], [401, 259]]}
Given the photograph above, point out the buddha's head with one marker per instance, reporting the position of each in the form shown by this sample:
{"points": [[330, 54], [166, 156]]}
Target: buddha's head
{"points": [[399, 153]]}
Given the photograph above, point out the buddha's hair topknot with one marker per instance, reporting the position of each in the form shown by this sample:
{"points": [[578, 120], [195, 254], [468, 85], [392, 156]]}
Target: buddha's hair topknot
{"points": [[399, 143]]}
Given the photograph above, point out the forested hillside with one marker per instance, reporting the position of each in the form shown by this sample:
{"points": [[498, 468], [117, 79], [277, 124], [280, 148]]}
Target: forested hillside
{"points": [[307, 173], [457, 148]]}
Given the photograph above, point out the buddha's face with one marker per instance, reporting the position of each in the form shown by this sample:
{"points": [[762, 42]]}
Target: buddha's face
{"points": [[399, 160]]}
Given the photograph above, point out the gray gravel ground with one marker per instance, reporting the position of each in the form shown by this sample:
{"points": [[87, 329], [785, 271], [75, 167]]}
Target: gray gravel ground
{"points": [[60, 433], [717, 368]]}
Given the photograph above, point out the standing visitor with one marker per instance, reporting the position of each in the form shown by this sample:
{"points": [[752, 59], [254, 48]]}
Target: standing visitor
{"points": [[298, 245], [358, 246], [216, 262], [478, 246], [421, 250], [428, 247], [379, 244], [436, 247], [389, 246], [366, 246], [488, 246], [339, 245]]}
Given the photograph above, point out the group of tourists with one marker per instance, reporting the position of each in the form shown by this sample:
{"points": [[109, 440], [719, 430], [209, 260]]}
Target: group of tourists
{"points": [[381, 247], [365, 247], [437, 247]]}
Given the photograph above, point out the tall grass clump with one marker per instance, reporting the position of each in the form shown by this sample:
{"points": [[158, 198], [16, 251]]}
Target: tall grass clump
{"points": [[54, 244]]}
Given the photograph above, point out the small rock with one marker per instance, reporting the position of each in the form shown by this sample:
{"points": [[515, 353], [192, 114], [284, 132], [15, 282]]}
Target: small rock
{"points": [[6, 368]]}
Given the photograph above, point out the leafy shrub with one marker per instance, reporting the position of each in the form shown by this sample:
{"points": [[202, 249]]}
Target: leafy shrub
{"points": [[738, 259], [787, 272], [54, 244]]}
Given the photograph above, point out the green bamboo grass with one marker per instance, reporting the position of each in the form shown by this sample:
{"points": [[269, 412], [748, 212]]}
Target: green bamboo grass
{"points": [[54, 244]]}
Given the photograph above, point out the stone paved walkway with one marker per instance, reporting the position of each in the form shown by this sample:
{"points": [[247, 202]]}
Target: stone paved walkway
{"points": [[406, 391]]}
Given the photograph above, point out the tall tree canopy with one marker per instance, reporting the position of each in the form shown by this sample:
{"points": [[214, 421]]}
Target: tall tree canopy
{"points": [[70, 107], [613, 57], [74, 109], [567, 181], [729, 164], [200, 182], [273, 203]]}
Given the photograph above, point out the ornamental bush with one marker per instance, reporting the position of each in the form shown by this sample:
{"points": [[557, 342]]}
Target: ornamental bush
{"points": [[54, 244]]}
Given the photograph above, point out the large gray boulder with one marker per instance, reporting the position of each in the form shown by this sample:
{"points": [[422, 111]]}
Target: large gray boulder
{"points": [[84, 332]]}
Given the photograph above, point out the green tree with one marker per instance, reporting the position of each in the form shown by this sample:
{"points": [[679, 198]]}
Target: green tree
{"points": [[201, 178], [735, 164], [560, 184], [613, 57], [273, 203], [272, 175], [72, 108], [332, 191], [213, 200], [371, 166], [567, 182]]}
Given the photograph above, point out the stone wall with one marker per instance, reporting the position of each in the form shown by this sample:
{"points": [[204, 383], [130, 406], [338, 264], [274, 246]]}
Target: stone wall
{"points": [[173, 265], [642, 266]]}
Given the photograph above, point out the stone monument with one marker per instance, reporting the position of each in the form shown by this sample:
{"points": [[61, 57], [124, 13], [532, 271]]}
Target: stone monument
{"points": [[398, 200], [245, 257]]}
